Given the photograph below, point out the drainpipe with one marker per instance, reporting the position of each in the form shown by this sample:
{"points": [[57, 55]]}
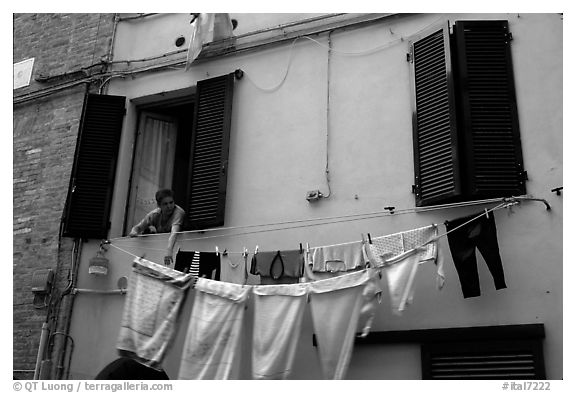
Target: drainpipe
{"points": [[60, 351], [113, 39], [43, 340], [39, 371]]}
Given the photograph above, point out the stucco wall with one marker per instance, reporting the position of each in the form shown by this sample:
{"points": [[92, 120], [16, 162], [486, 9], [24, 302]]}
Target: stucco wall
{"points": [[278, 152]]}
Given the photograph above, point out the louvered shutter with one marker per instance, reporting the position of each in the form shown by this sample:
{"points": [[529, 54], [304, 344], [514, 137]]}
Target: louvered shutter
{"points": [[493, 165], [209, 161], [434, 120], [514, 360], [93, 173]]}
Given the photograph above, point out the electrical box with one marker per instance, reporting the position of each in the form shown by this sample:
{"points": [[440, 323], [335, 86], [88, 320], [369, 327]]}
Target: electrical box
{"points": [[314, 195], [42, 281]]}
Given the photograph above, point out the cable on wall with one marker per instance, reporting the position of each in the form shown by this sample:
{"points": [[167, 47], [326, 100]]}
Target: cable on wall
{"points": [[337, 52], [328, 115]]}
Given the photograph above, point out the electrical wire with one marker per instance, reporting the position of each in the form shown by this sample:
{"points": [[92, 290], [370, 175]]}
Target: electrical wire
{"points": [[337, 52], [290, 59], [327, 171], [274, 88], [181, 64]]}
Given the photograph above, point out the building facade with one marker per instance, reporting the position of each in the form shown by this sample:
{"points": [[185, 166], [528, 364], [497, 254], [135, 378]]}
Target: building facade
{"points": [[302, 129]]}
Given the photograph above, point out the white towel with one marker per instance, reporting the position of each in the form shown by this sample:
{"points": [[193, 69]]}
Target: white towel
{"points": [[151, 311], [335, 304], [213, 342], [278, 311]]}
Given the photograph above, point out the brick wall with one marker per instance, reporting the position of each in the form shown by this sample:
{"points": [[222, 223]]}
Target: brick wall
{"points": [[61, 43], [44, 141]]}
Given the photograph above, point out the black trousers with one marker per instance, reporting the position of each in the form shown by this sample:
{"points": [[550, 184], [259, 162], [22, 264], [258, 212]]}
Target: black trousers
{"points": [[481, 234]]}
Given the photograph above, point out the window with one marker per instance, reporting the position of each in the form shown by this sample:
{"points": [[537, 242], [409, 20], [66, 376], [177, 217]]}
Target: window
{"points": [[495, 359], [161, 157], [512, 352], [465, 121], [180, 145], [183, 145]]}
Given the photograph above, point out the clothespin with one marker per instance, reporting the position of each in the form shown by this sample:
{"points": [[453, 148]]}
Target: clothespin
{"points": [[102, 243], [307, 247], [363, 239], [369, 238], [225, 252], [245, 252], [301, 250], [217, 252], [256, 250], [486, 212]]}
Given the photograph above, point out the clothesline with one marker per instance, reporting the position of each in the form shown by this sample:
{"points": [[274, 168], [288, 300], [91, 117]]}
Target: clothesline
{"points": [[343, 218], [486, 211]]}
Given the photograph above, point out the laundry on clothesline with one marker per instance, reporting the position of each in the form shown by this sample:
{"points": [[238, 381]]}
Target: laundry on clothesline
{"points": [[342, 285], [200, 264], [278, 312], [214, 334], [151, 311], [213, 345], [234, 268], [278, 267], [335, 305], [475, 231], [340, 257]]}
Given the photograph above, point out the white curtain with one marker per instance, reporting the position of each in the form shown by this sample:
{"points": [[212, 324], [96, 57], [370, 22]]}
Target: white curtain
{"points": [[154, 165]]}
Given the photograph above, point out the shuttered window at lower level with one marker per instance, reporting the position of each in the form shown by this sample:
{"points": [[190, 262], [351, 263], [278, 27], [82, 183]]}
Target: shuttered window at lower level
{"points": [[466, 130], [506, 359]]}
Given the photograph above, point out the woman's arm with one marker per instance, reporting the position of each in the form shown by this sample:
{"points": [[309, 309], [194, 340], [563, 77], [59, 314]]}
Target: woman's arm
{"points": [[171, 241]]}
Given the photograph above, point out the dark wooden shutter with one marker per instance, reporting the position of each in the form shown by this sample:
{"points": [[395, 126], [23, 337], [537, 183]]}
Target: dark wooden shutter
{"points": [[493, 165], [506, 359], [93, 173], [434, 121], [209, 162]]}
